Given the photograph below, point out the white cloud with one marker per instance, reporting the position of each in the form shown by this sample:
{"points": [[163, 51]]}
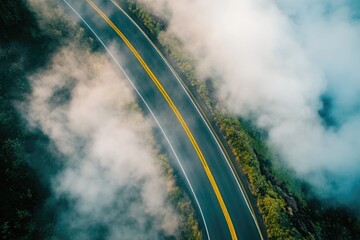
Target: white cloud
{"points": [[111, 178], [276, 60]]}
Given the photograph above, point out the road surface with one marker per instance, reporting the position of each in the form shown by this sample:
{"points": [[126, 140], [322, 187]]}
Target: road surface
{"points": [[209, 176]]}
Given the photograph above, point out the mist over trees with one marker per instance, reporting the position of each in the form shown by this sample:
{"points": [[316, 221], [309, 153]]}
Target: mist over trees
{"points": [[290, 208], [41, 196]]}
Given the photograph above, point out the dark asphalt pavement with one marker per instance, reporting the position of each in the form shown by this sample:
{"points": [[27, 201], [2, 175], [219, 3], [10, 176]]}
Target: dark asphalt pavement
{"points": [[214, 218]]}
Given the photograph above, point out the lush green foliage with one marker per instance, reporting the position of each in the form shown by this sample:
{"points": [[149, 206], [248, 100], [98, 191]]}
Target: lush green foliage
{"points": [[150, 22], [22, 193], [270, 203]]}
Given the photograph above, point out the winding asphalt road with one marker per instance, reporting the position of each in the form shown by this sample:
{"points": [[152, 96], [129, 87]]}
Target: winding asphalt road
{"points": [[216, 191]]}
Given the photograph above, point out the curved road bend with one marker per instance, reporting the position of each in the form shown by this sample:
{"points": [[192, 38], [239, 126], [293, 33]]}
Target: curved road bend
{"points": [[217, 193]]}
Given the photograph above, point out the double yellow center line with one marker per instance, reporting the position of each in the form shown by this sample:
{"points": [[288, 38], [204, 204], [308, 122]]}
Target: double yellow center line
{"points": [[177, 114]]}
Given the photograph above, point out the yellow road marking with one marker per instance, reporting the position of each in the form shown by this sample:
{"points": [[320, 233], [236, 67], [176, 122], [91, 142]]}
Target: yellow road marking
{"points": [[224, 150], [178, 115], [212, 129]]}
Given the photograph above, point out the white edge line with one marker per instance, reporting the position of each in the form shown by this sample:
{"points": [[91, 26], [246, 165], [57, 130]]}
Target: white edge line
{"points": [[173, 71], [147, 106]]}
